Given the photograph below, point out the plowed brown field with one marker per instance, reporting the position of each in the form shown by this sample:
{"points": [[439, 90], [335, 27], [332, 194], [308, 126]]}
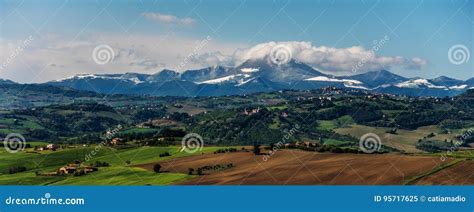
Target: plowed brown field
{"points": [[295, 167], [461, 173]]}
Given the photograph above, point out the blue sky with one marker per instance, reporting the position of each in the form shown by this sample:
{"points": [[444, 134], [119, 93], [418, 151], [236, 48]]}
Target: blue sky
{"points": [[65, 32]]}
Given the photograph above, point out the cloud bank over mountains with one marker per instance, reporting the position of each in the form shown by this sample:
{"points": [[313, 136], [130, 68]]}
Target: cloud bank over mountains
{"points": [[328, 59], [55, 57]]}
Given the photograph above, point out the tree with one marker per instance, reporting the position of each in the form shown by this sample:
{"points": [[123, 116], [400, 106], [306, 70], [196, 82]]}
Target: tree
{"points": [[392, 131], [16, 169], [271, 146], [157, 168], [190, 171], [256, 149]]}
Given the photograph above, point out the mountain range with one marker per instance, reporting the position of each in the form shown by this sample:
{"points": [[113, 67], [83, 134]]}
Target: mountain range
{"points": [[258, 76]]}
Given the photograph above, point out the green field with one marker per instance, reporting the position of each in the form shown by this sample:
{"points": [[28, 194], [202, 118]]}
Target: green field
{"points": [[122, 170], [140, 130], [105, 176], [118, 173], [343, 121], [335, 142], [403, 139]]}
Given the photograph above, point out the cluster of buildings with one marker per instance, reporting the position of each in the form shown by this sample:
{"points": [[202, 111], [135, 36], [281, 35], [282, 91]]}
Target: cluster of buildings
{"points": [[306, 144], [76, 167], [301, 144], [51, 147], [251, 112]]}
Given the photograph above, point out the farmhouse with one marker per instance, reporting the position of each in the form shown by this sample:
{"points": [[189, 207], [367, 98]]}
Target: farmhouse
{"points": [[67, 170], [305, 144], [72, 168], [51, 147], [116, 141]]}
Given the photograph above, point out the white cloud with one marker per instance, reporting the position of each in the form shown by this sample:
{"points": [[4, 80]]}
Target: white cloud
{"points": [[328, 59], [168, 19], [53, 57]]}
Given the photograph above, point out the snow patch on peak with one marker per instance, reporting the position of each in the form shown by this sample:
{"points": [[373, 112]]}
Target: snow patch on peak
{"points": [[249, 70], [416, 83], [243, 82], [347, 82], [78, 76], [327, 79], [458, 87], [134, 80], [225, 79]]}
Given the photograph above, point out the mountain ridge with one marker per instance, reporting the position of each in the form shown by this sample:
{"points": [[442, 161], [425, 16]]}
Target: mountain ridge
{"points": [[258, 75]]}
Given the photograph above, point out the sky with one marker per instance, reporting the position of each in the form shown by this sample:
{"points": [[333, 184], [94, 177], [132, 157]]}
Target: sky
{"points": [[50, 40]]}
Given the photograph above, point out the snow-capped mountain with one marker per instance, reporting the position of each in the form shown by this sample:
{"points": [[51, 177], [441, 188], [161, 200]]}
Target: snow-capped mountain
{"points": [[470, 83], [382, 78], [258, 76], [446, 81], [286, 73], [205, 74], [417, 83], [162, 76]]}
